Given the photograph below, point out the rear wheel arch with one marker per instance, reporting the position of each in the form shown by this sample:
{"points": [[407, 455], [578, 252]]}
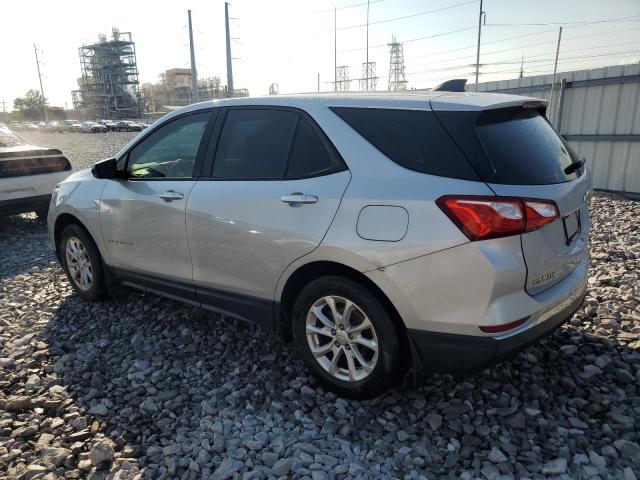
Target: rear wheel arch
{"points": [[314, 270]]}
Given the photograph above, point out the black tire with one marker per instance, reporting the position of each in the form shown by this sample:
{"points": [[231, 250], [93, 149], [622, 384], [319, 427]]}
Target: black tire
{"points": [[98, 288], [385, 373]]}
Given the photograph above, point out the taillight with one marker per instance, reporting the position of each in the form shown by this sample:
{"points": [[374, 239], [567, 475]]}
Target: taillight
{"points": [[19, 167], [482, 217], [539, 213]]}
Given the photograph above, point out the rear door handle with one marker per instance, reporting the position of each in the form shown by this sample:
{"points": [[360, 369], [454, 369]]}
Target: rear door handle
{"points": [[296, 199], [171, 195]]}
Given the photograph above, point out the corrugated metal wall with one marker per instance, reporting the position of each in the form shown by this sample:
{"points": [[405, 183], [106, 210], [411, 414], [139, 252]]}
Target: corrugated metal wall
{"points": [[600, 117]]}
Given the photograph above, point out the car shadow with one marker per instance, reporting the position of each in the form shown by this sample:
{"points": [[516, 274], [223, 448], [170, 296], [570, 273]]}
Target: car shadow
{"points": [[24, 244], [158, 373]]}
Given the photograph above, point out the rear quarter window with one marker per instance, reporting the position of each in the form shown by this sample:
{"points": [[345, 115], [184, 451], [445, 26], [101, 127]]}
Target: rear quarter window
{"points": [[414, 139]]}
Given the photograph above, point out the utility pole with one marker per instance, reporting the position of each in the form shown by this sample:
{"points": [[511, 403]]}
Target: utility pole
{"points": [[44, 101], [318, 83], [478, 50], [555, 70], [367, 43], [335, 49], [194, 72], [4, 106], [229, 66], [522, 67]]}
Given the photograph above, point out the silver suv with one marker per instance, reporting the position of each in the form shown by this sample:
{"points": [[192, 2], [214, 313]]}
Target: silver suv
{"points": [[438, 232]]}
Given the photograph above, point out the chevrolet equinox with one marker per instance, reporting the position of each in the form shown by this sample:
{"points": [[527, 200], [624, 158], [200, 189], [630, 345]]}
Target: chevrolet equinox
{"points": [[382, 234]]}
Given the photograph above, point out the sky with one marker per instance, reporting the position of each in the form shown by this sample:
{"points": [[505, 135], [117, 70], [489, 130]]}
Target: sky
{"points": [[290, 42]]}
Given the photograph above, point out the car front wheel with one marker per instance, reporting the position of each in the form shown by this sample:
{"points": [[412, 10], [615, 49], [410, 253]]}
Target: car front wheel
{"points": [[346, 338], [82, 263]]}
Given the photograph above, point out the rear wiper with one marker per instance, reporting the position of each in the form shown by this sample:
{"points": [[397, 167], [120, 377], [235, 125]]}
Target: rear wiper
{"points": [[577, 165]]}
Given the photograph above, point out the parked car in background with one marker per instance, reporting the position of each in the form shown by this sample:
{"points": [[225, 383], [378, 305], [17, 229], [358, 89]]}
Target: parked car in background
{"points": [[128, 126], [70, 126], [442, 231], [28, 174], [26, 126], [110, 124], [92, 127], [53, 127]]}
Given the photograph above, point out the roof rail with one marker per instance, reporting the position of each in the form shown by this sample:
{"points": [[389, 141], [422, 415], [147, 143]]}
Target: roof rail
{"points": [[453, 85]]}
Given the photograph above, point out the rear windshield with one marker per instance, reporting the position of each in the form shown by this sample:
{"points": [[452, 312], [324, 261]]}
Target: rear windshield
{"points": [[414, 139], [523, 148]]}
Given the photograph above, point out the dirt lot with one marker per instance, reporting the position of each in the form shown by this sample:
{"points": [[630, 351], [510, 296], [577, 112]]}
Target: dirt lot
{"points": [[143, 387]]}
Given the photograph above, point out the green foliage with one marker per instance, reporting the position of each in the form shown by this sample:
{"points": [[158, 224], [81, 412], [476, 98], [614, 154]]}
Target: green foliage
{"points": [[30, 106]]}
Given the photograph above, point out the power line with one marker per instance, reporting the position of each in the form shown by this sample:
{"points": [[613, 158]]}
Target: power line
{"points": [[410, 40], [518, 61], [347, 6], [528, 45], [515, 48], [612, 20], [413, 15], [563, 60], [486, 43]]}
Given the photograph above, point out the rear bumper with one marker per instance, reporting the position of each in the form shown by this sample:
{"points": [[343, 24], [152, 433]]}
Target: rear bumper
{"points": [[437, 352], [15, 206]]}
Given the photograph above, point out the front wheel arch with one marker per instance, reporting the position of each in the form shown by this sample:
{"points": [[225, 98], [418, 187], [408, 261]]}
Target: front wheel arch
{"points": [[62, 222]]}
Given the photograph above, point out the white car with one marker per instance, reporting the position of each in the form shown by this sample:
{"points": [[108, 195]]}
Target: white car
{"points": [[28, 174], [92, 127]]}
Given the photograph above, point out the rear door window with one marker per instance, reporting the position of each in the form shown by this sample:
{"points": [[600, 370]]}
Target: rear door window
{"points": [[414, 139], [523, 148], [254, 144]]}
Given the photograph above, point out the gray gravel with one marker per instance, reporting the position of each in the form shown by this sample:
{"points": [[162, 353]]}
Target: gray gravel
{"points": [[143, 387], [82, 149]]}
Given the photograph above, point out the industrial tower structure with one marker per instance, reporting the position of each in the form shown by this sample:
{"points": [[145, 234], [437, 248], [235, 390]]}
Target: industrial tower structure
{"points": [[343, 82], [109, 86], [397, 79], [369, 81]]}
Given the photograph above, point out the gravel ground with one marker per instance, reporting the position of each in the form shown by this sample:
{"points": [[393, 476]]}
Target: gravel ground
{"points": [[143, 387], [83, 149]]}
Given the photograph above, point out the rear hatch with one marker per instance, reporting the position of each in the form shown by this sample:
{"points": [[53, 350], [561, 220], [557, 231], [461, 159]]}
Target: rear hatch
{"points": [[518, 154]]}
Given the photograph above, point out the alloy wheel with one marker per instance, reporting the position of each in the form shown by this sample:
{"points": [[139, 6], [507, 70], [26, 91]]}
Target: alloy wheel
{"points": [[342, 339], [79, 263]]}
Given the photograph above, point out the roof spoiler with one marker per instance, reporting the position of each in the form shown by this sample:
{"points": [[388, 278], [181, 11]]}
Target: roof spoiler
{"points": [[453, 85]]}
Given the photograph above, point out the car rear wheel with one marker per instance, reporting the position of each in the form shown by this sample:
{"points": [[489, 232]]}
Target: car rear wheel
{"points": [[82, 263], [346, 338]]}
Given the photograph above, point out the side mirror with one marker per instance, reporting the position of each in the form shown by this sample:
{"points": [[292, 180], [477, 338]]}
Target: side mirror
{"points": [[105, 169]]}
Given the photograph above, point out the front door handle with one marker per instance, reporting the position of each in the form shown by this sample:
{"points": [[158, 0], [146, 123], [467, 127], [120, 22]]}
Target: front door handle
{"points": [[296, 199], [171, 195]]}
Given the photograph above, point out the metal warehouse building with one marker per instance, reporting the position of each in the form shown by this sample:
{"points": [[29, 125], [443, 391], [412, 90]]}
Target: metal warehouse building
{"points": [[598, 112]]}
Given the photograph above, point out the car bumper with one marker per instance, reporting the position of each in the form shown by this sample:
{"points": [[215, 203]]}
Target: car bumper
{"points": [[15, 206], [458, 354]]}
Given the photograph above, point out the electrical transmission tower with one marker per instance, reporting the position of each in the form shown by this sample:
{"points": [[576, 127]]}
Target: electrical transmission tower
{"points": [[369, 81], [342, 79], [397, 80]]}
